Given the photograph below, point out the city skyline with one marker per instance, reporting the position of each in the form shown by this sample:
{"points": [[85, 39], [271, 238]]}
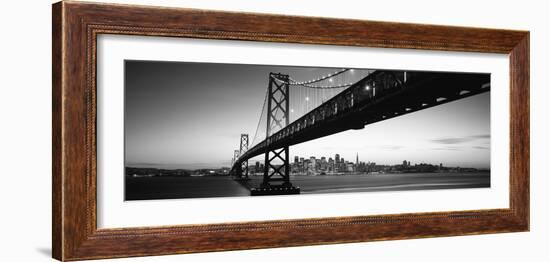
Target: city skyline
{"points": [[180, 115], [313, 166], [347, 160]]}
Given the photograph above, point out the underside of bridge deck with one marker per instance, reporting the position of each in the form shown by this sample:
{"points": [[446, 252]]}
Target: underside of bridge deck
{"points": [[380, 96]]}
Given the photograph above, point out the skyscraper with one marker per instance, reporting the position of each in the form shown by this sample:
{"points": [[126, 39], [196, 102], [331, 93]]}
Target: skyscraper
{"points": [[313, 163]]}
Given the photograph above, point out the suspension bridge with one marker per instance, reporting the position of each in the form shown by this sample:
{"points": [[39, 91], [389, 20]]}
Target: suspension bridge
{"points": [[295, 111]]}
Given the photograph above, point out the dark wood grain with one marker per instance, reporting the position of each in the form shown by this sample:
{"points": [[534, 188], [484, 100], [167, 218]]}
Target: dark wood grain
{"points": [[57, 190], [76, 26], [519, 129]]}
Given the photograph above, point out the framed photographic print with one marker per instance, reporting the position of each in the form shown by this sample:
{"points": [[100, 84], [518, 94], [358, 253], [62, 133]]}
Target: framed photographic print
{"points": [[181, 130]]}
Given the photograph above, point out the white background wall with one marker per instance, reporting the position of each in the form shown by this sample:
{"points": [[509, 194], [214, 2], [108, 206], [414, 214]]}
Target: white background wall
{"points": [[25, 117]]}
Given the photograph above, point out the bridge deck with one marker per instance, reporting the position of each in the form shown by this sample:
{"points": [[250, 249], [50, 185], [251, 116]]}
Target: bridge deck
{"points": [[379, 96]]}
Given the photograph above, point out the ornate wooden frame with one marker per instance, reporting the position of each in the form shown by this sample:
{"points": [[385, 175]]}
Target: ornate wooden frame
{"points": [[76, 26]]}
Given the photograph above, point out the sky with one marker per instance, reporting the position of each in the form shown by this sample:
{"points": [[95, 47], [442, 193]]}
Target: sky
{"points": [[191, 115]]}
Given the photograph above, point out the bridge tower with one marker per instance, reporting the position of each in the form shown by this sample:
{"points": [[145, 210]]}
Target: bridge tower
{"points": [[276, 178], [242, 150], [235, 157]]}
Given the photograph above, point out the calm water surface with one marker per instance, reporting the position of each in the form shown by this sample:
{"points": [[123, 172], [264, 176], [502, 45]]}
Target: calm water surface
{"points": [[140, 188]]}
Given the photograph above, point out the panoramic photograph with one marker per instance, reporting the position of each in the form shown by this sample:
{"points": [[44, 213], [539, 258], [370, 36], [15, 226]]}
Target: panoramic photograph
{"points": [[199, 130]]}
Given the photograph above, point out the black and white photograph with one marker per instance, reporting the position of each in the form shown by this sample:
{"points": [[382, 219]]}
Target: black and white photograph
{"points": [[198, 130]]}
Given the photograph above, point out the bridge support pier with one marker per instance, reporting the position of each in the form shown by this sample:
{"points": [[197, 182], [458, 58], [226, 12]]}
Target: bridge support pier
{"points": [[276, 180]]}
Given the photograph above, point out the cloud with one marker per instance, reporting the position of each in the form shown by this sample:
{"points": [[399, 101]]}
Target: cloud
{"points": [[451, 141], [481, 147], [448, 148], [459, 140], [485, 136], [390, 147]]}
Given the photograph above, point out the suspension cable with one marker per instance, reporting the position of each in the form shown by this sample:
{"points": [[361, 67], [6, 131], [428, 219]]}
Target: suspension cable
{"points": [[326, 87], [308, 84], [319, 79], [260, 118]]}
